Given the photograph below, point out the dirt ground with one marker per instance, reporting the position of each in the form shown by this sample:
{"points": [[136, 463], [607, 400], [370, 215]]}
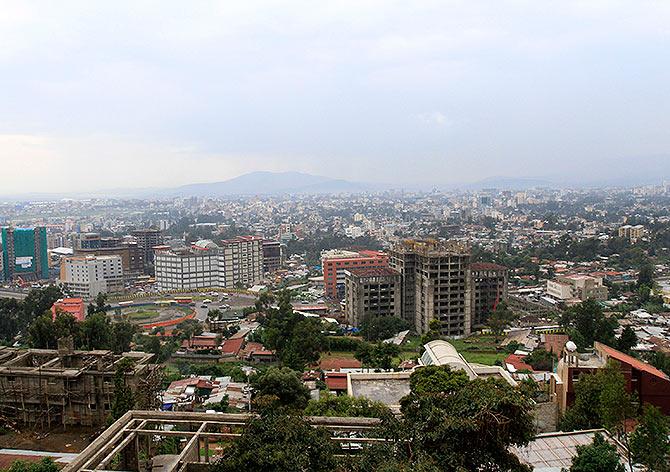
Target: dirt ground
{"points": [[70, 439]]}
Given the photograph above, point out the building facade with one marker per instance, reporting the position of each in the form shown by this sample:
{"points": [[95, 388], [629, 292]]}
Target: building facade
{"points": [[147, 239], [87, 276], [577, 287], [442, 285], [187, 268], [372, 293], [24, 253], [132, 255], [489, 288], [272, 256], [336, 262], [241, 261], [649, 384], [65, 387]]}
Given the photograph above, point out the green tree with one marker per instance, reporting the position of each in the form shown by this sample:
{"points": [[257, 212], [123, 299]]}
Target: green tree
{"points": [[122, 336], [280, 443], [377, 328], [599, 456], [501, 318], [649, 443], [41, 333], [645, 276], [462, 424], [346, 406], [377, 356], [96, 331], [627, 341], [100, 305], [587, 323], [540, 359], [280, 387], [437, 379], [434, 332], [601, 400], [46, 464], [123, 394]]}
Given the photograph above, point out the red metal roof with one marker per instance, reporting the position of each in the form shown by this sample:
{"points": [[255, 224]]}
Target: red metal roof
{"points": [[337, 363], [626, 359], [336, 381], [518, 362], [232, 346]]}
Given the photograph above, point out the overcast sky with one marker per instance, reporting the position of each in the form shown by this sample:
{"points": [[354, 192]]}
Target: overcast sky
{"points": [[97, 95]]}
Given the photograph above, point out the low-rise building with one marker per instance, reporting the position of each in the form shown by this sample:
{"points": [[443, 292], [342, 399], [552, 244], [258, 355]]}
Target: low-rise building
{"points": [[649, 384], [73, 306], [577, 287]]}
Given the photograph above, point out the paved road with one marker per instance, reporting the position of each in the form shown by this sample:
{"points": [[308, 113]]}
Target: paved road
{"points": [[62, 457], [4, 293]]}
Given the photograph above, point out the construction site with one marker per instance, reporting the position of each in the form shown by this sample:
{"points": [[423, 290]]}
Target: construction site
{"points": [[185, 441], [42, 388]]}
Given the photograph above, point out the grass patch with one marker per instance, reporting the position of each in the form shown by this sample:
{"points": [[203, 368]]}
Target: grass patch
{"points": [[479, 349], [142, 314]]}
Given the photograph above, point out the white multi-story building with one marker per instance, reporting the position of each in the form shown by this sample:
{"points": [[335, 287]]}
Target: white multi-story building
{"points": [[87, 276], [236, 262], [241, 261], [186, 269]]}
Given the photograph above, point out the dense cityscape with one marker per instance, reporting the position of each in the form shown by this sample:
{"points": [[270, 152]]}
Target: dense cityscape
{"points": [[345, 236], [349, 309]]}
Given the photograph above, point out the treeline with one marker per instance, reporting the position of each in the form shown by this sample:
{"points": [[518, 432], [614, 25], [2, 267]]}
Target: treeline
{"points": [[17, 315]]}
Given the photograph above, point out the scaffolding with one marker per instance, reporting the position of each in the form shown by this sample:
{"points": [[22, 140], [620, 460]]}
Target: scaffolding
{"points": [[133, 443], [45, 388]]}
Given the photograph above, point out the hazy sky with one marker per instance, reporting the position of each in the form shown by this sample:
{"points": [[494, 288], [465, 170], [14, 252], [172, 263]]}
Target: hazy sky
{"points": [[135, 93]]}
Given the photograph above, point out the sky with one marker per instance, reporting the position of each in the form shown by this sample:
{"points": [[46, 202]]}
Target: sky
{"points": [[123, 94]]}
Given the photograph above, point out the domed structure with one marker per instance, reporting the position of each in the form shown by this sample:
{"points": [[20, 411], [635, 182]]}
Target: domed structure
{"points": [[570, 346]]}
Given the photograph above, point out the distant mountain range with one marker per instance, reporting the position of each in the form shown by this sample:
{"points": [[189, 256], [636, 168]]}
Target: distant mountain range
{"points": [[287, 183], [268, 183]]}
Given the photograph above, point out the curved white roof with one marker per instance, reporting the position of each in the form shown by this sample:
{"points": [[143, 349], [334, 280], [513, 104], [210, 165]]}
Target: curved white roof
{"points": [[206, 244], [440, 352]]}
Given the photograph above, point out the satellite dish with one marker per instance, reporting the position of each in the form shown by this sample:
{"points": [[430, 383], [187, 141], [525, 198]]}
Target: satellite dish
{"points": [[570, 346]]}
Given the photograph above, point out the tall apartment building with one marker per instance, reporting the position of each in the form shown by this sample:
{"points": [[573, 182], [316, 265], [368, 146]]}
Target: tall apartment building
{"points": [[87, 276], [489, 288], [241, 261], [337, 261], [272, 255], [371, 293], [206, 264], [442, 284], [147, 239], [577, 287], [24, 253], [187, 268]]}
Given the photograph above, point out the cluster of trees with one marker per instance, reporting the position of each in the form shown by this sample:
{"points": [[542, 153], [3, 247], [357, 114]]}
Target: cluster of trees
{"points": [[449, 423], [95, 332], [45, 465], [378, 328], [16, 316], [297, 340]]}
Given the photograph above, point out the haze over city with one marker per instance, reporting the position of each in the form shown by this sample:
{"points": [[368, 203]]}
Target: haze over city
{"points": [[162, 94]]}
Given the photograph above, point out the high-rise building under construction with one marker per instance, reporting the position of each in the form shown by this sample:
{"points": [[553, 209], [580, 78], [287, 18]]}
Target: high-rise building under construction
{"points": [[436, 284]]}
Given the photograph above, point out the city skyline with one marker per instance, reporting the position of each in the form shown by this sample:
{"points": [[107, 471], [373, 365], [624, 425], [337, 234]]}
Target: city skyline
{"points": [[442, 93]]}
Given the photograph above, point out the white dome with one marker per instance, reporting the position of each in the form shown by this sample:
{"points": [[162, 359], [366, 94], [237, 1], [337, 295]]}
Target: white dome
{"points": [[570, 346]]}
